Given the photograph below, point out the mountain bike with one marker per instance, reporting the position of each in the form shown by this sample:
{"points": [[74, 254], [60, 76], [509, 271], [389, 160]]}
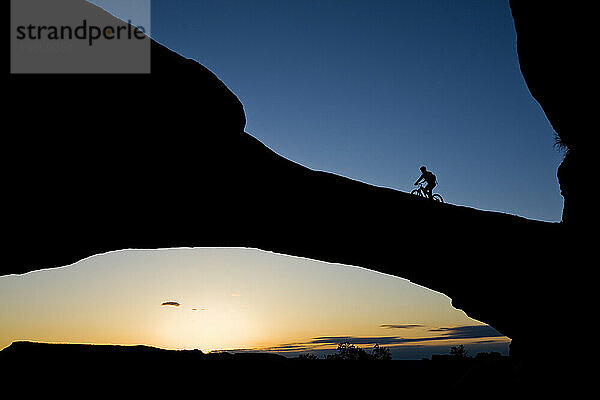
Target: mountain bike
{"points": [[421, 193]]}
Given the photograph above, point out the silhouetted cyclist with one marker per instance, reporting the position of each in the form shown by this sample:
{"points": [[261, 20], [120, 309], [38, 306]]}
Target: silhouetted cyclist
{"points": [[428, 177]]}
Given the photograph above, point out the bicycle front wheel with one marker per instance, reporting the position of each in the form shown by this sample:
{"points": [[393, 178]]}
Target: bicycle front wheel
{"points": [[437, 197], [417, 192]]}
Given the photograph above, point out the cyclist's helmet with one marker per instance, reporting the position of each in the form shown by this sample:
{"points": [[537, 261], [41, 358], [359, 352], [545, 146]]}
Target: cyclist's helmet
{"points": [[423, 169]]}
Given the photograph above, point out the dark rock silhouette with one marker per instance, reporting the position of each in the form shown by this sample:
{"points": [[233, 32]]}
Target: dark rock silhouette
{"points": [[553, 44], [77, 364], [64, 354], [101, 163]]}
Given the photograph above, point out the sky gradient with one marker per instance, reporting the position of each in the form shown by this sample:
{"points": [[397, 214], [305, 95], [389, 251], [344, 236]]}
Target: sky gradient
{"points": [[372, 90], [233, 299]]}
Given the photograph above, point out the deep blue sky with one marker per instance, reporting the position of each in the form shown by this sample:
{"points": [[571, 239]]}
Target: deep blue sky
{"points": [[374, 89]]}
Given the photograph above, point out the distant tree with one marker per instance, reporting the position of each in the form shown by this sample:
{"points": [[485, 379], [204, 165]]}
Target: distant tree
{"points": [[381, 353], [459, 352], [347, 351]]}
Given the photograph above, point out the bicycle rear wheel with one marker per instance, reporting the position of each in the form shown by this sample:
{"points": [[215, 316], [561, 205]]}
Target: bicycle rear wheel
{"points": [[437, 197]]}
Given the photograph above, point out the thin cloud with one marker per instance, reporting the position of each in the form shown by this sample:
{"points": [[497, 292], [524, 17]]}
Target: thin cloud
{"points": [[391, 326], [171, 303], [328, 340], [454, 333], [468, 332], [288, 347]]}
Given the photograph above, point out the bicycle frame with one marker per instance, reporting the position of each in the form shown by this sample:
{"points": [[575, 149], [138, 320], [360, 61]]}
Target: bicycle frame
{"points": [[420, 191]]}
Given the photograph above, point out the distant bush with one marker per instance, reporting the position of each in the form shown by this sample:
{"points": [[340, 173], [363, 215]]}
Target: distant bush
{"points": [[347, 351], [459, 352], [381, 353], [560, 145]]}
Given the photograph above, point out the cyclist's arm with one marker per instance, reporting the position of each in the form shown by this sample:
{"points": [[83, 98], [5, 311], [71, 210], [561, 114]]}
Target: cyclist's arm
{"points": [[419, 180]]}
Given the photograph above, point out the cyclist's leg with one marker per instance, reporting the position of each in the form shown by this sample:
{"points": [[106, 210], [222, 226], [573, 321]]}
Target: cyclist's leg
{"points": [[430, 188], [428, 191]]}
